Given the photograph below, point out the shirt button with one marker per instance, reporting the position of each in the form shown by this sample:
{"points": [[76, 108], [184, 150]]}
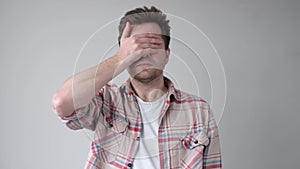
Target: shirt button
{"points": [[196, 141], [110, 124], [129, 165]]}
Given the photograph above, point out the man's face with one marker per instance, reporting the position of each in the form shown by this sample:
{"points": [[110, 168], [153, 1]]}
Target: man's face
{"points": [[151, 65]]}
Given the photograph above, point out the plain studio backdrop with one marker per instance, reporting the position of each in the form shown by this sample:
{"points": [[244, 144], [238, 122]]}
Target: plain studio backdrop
{"points": [[257, 41]]}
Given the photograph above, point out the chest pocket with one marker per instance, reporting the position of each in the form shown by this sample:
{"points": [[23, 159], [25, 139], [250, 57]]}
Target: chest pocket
{"points": [[107, 145], [195, 140], [194, 147]]}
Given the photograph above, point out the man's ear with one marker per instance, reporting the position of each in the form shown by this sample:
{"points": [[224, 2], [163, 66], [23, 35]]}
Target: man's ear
{"points": [[168, 51]]}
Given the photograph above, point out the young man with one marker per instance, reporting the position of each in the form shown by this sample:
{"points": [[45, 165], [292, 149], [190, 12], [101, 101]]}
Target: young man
{"points": [[146, 122]]}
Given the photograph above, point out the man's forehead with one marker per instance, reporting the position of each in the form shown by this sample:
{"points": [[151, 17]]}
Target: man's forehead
{"points": [[150, 27]]}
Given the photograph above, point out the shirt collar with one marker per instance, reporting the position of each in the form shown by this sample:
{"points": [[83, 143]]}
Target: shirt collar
{"points": [[173, 93]]}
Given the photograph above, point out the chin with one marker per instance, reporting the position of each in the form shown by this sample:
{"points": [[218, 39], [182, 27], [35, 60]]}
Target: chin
{"points": [[147, 75]]}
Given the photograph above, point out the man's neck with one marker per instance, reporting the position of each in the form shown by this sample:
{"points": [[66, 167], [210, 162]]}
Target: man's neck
{"points": [[150, 91]]}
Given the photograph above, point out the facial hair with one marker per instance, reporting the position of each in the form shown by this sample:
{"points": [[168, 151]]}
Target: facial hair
{"points": [[153, 74]]}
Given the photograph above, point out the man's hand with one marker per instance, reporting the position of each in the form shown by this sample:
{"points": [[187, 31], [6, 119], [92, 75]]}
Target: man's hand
{"points": [[133, 47], [78, 90]]}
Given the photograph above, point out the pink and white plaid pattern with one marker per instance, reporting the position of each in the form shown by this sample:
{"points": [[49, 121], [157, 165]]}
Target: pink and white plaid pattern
{"points": [[188, 135]]}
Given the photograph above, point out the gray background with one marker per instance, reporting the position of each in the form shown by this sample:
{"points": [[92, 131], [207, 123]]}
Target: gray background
{"points": [[258, 42]]}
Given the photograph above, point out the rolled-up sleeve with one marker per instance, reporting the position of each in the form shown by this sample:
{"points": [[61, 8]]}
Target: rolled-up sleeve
{"points": [[85, 117]]}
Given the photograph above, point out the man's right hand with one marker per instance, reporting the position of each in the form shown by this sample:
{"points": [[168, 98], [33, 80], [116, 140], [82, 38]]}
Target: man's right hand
{"points": [[133, 47], [78, 90]]}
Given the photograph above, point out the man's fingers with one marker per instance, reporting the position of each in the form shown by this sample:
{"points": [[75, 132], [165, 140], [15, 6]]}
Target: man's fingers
{"points": [[147, 51], [150, 40], [126, 31], [150, 45], [148, 35]]}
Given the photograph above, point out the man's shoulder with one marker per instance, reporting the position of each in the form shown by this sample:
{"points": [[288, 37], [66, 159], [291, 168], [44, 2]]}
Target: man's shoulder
{"points": [[109, 87], [183, 96], [112, 88], [189, 98]]}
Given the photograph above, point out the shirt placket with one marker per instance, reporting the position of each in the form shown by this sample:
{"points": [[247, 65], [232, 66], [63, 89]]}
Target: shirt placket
{"points": [[132, 139], [163, 153]]}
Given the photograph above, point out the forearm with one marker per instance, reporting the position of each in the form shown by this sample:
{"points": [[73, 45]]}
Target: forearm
{"points": [[78, 90]]}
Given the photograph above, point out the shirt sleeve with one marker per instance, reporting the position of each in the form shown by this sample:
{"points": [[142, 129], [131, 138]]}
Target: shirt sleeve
{"points": [[86, 117], [212, 152]]}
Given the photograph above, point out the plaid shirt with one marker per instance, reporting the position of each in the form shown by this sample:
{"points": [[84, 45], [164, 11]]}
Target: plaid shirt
{"points": [[187, 136]]}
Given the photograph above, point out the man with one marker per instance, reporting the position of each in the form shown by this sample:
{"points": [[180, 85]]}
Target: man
{"points": [[146, 122]]}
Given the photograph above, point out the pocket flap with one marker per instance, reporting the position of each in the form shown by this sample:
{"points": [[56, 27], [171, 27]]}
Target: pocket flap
{"points": [[118, 125], [192, 141]]}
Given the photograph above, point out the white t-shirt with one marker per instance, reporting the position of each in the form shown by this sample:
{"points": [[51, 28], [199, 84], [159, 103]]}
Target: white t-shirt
{"points": [[148, 154]]}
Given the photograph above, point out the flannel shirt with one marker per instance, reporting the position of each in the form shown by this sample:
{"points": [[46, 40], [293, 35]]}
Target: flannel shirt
{"points": [[188, 136]]}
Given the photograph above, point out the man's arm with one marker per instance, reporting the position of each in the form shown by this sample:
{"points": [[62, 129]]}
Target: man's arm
{"points": [[212, 158], [78, 90]]}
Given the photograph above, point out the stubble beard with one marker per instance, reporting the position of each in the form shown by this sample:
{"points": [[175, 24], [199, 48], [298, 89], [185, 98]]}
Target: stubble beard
{"points": [[152, 74]]}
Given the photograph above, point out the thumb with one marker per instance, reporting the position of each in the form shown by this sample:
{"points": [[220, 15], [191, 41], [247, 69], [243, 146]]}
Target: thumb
{"points": [[126, 31]]}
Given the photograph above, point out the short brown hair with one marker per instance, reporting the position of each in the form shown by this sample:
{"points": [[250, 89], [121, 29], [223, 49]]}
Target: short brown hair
{"points": [[145, 15]]}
